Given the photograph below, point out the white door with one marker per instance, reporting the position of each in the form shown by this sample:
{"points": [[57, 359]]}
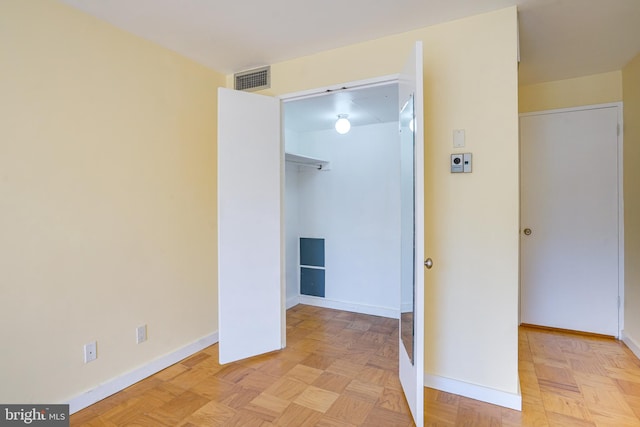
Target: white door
{"points": [[569, 219], [412, 365], [251, 316]]}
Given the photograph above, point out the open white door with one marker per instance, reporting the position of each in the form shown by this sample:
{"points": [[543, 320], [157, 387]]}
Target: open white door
{"points": [[411, 355], [250, 310]]}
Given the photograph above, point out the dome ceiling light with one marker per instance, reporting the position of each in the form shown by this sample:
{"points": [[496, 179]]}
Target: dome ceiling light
{"points": [[342, 124]]}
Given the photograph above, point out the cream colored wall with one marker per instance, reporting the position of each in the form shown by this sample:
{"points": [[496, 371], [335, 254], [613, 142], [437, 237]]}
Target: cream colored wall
{"points": [[631, 97], [587, 90], [107, 200], [471, 220]]}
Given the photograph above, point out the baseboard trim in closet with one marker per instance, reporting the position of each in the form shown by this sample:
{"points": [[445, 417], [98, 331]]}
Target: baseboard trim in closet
{"points": [[292, 302], [349, 306]]}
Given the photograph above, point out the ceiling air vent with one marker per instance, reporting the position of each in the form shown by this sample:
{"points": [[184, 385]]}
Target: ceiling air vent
{"points": [[256, 79]]}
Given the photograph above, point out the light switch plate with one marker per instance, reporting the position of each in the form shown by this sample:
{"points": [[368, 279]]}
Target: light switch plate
{"points": [[458, 138]]}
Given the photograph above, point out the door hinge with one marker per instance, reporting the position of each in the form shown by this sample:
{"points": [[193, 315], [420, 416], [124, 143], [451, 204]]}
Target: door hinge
{"points": [[618, 129]]}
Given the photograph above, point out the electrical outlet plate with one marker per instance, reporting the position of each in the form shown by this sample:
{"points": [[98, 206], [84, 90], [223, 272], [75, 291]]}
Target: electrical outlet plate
{"points": [[141, 334], [90, 352]]}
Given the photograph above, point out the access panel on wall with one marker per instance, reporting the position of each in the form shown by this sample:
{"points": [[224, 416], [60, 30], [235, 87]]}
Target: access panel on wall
{"points": [[312, 269]]}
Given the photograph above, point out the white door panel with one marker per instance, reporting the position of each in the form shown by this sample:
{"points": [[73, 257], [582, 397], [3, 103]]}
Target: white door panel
{"points": [[412, 372], [250, 310], [569, 178]]}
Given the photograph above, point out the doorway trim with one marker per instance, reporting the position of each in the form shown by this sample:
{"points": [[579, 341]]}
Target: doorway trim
{"points": [[620, 143], [324, 90]]}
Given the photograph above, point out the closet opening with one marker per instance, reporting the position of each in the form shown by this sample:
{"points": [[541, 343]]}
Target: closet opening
{"points": [[342, 201]]}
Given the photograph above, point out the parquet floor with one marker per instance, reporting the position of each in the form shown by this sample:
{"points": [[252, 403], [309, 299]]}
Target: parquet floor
{"points": [[567, 380], [340, 369]]}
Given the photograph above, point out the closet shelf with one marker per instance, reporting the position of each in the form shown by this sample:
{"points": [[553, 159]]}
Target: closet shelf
{"points": [[299, 160]]}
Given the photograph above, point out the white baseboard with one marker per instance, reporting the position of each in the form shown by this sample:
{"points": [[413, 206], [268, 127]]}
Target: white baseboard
{"points": [[631, 343], [348, 306], [120, 383], [473, 391], [293, 301]]}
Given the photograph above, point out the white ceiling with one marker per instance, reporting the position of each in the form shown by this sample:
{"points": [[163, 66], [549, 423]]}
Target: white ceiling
{"points": [[558, 38], [365, 106]]}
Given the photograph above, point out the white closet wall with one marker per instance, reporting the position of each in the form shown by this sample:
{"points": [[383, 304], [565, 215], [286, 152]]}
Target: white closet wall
{"points": [[355, 207]]}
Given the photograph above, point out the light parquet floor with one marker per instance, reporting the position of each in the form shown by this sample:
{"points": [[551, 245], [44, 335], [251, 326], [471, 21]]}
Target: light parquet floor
{"points": [[567, 380], [340, 369]]}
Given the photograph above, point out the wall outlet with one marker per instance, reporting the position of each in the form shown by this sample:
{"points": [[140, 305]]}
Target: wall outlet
{"points": [[141, 334], [90, 352]]}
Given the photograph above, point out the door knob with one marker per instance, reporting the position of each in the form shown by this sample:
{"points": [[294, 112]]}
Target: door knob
{"points": [[527, 232], [428, 263]]}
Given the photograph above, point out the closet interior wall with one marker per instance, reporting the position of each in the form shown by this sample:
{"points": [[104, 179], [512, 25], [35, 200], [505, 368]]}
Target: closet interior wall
{"points": [[355, 207]]}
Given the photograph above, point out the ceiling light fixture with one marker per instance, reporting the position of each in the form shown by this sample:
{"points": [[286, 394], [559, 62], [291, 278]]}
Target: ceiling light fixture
{"points": [[342, 124]]}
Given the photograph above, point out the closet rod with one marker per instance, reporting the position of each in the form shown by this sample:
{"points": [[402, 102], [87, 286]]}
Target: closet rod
{"points": [[313, 165]]}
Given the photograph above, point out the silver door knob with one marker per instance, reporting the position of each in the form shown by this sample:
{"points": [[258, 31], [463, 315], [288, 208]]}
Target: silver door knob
{"points": [[428, 263], [527, 232]]}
